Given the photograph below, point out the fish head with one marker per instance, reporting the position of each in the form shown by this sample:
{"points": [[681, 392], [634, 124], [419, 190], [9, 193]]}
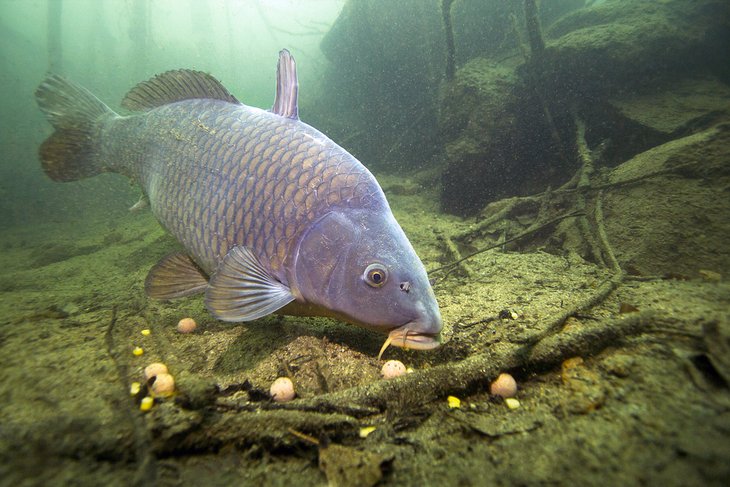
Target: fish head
{"points": [[360, 267]]}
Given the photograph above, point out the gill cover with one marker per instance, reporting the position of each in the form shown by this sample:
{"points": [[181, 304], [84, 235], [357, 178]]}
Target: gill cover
{"points": [[360, 266]]}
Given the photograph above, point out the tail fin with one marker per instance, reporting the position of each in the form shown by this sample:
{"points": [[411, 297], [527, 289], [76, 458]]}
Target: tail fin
{"points": [[70, 152]]}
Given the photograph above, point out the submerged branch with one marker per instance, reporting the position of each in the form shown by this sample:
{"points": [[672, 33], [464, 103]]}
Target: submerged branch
{"points": [[335, 415], [524, 234], [534, 33], [146, 473], [449, 32]]}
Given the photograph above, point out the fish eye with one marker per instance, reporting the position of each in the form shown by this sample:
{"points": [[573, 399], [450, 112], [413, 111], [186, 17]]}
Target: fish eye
{"points": [[375, 275]]}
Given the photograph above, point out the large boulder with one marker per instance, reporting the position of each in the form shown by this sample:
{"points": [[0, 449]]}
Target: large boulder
{"points": [[621, 66], [675, 223]]}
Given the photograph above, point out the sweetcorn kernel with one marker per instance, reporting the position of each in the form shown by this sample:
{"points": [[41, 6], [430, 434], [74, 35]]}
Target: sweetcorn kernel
{"points": [[366, 430], [146, 404], [512, 403], [454, 402]]}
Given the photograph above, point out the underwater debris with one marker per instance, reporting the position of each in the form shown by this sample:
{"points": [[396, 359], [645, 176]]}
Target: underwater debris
{"points": [[709, 275], [627, 308], [508, 314]]}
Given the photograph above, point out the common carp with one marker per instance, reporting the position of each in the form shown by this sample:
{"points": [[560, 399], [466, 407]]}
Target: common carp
{"points": [[273, 216]]}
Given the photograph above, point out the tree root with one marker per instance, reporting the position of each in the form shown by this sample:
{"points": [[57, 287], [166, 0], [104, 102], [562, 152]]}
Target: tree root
{"points": [[584, 181], [339, 415], [609, 255], [449, 32], [460, 261], [477, 371], [146, 473], [270, 429], [592, 338]]}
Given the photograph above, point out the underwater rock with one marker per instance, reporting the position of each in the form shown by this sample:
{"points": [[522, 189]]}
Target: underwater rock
{"points": [[585, 389], [633, 122], [673, 217], [679, 107], [623, 43], [509, 129], [496, 141]]}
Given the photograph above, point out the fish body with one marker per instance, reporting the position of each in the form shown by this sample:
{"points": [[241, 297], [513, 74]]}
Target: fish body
{"points": [[272, 215]]}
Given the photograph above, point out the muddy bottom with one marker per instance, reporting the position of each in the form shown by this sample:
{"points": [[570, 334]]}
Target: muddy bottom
{"points": [[621, 382]]}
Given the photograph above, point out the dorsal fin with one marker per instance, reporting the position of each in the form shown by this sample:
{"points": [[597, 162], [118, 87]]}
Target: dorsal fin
{"points": [[172, 86], [287, 87]]}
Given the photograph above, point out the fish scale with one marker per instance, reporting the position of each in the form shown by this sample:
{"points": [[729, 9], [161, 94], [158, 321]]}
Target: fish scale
{"points": [[272, 215], [208, 164]]}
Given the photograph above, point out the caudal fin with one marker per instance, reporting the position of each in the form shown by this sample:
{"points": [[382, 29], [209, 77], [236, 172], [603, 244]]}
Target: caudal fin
{"points": [[70, 153]]}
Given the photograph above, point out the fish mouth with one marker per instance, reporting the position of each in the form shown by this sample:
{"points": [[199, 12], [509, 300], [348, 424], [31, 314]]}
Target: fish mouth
{"points": [[407, 338]]}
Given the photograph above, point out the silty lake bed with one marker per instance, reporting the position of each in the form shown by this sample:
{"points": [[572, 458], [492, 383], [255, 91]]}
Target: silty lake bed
{"points": [[612, 393], [575, 154]]}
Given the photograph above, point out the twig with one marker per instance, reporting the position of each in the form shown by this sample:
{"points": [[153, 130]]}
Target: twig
{"points": [[455, 256], [534, 33], [270, 429], [591, 338], [509, 205], [146, 473], [602, 237], [584, 181], [554, 325], [520, 42], [449, 32], [477, 371], [536, 72], [527, 232]]}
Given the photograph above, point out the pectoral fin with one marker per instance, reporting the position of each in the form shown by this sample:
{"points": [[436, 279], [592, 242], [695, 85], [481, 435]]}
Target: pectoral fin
{"points": [[243, 290], [175, 276], [140, 205]]}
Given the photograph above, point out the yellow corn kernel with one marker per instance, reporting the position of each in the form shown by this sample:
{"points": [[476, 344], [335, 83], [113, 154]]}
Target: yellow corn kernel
{"points": [[145, 332], [146, 404], [365, 431], [512, 403], [137, 351], [134, 388], [454, 402]]}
